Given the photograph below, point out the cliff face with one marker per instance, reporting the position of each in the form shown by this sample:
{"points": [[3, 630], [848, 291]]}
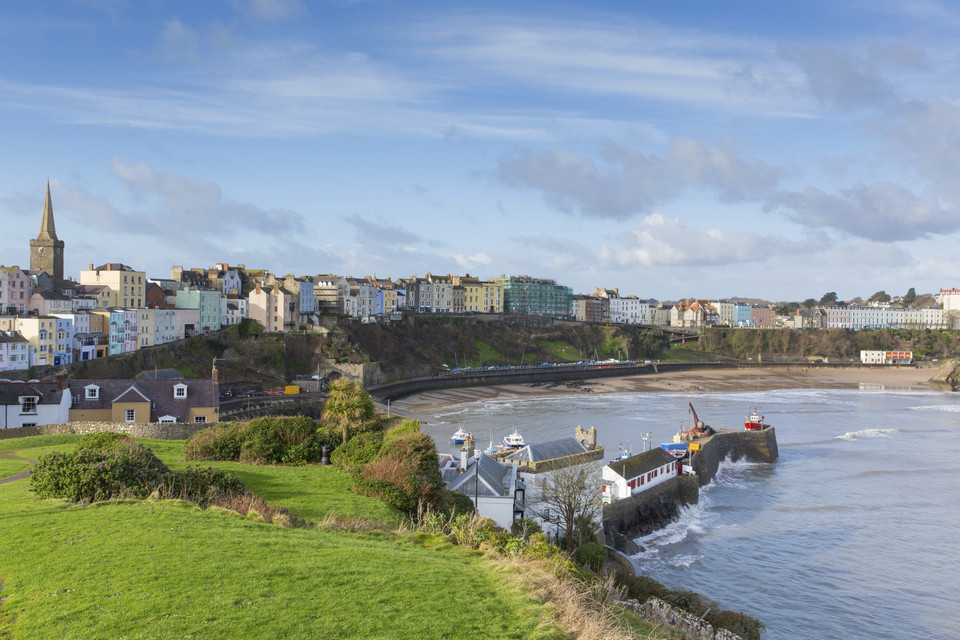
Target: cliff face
{"points": [[947, 377]]}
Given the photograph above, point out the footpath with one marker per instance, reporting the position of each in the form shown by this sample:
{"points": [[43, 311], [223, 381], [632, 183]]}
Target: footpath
{"points": [[17, 476]]}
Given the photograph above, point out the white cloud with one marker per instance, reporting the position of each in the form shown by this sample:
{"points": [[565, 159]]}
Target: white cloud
{"points": [[625, 182], [663, 241], [883, 211], [271, 10]]}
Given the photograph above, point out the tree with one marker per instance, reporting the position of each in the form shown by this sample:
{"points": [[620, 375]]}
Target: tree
{"points": [[348, 407], [910, 297], [809, 303], [569, 495], [880, 296], [828, 298]]}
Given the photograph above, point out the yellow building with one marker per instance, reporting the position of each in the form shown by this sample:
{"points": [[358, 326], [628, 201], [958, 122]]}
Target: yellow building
{"points": [[146, 327], [128, 286], [41, 333], [143, 401], [492, 297]]}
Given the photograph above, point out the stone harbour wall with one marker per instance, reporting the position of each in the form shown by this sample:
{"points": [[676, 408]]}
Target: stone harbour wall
{"points": [[153, 430], [692, 627], [755, 446], [641, 514]]}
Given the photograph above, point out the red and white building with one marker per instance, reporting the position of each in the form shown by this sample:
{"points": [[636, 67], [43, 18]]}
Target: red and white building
{"points": [[886, 357], [639, 473]]}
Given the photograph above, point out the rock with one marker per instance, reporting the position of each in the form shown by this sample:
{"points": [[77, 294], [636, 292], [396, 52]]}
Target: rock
{"points": [[947, 377]]}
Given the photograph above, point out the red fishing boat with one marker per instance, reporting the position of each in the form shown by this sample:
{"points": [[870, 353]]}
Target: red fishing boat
{"points": [[754, 421]]}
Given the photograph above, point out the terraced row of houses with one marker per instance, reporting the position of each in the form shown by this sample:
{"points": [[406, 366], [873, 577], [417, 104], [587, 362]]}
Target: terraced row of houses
{"points": [[47, 319]]}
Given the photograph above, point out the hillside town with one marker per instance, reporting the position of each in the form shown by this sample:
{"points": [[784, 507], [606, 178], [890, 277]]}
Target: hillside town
{"points": [[51, 319]]}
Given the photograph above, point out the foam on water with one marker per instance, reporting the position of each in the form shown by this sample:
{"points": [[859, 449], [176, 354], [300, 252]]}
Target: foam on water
{"points": [[867, 433]]}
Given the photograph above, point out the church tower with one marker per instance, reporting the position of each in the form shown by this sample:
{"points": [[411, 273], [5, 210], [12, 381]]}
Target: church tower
{"points": [[46, 252]]}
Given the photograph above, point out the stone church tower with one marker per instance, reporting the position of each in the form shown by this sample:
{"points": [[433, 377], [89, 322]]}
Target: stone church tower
{"points": [[46, 252]]}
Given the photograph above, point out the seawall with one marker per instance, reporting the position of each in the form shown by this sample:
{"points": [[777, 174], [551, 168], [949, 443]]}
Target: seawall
{"points": [[754, 446], [644, 513]]}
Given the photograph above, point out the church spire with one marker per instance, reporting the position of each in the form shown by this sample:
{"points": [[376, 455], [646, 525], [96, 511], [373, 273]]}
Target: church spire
{"points": [[47, 229]]}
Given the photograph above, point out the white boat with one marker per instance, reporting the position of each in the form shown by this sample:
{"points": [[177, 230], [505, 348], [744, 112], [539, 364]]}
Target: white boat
{"points": [[460, 436], [514, 440]]}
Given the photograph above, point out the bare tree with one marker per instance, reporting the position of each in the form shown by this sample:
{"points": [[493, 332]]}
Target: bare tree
{"points": [[568, 496]]}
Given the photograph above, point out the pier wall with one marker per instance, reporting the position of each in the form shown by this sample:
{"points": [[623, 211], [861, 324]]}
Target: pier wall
{"points": [[644, 513], [755, 446]]}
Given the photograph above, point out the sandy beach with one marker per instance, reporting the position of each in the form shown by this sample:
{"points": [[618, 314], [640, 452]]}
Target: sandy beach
{"points": [[708, 380]]}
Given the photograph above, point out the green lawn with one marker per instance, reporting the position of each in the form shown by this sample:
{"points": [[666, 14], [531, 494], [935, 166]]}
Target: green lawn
{"points": [[170, 570], [11, 467]]}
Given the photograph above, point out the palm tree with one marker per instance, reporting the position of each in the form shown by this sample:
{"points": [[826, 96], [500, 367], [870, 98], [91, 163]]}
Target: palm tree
{"points": [[348, 406]]}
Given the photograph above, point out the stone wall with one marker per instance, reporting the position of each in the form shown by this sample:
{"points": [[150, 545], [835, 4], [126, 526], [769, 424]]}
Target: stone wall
{"points": [[154, 430], [641, 514], [368, 373], [692, 627], [755, 446]]}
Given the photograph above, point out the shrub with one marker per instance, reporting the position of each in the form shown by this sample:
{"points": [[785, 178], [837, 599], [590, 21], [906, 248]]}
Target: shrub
{"points": [[409, 426], [103, 441], [592, 554], [267, 440], [358, 451], [88, 475], [741, 624], [199, 484], [640, 588], [406, 474], [525, 527], [219, 442]]}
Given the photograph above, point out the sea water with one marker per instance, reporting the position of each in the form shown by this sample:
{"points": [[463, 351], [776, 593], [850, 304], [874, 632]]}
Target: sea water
{"points": [[854, 533]]}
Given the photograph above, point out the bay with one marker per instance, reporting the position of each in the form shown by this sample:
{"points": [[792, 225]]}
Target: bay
{"points": [[850, 534]]}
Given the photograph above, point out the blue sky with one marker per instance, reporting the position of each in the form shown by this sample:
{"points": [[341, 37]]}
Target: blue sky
{"points": [[697, 149]]}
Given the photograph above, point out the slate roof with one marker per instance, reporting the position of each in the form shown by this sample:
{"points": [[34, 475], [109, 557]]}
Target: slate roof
{"points": [[541, 451], [492, 481], [160, 374], [641, 463], [200, 393], [48, 392]]}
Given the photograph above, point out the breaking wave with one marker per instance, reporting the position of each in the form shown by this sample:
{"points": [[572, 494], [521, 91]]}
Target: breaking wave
{"points": [[867, 433]]}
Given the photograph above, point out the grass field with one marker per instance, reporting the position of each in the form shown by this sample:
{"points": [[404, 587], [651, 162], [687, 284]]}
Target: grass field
{"points": [[171, 570], [11, 467]]}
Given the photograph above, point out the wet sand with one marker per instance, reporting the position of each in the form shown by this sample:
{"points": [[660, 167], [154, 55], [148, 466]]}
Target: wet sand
{"points": [[708, 380]]}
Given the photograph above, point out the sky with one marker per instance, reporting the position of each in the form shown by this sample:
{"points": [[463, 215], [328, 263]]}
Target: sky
{"points": [[699, 149]]}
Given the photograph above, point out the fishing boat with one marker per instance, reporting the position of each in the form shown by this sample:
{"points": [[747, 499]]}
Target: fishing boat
{"points": [[460, 436], [514, 440], [676, 449], [754, 421], [624, 454]]}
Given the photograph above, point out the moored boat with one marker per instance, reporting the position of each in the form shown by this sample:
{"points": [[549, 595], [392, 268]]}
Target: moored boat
{"points": [[460, 436], [514, 440], [754, 421], [676, 449]]}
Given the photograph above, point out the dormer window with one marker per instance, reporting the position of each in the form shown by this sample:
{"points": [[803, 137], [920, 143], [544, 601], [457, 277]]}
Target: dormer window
{"points": [[180, 391], [92, 392], [28, 404]]}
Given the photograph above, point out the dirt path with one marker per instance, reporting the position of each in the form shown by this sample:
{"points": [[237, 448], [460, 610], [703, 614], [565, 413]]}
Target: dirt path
{"points": [[17, 476]]}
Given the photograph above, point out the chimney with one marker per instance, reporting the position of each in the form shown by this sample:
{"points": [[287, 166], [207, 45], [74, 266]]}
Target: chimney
{"points": [[90, 268], [214, 373]]}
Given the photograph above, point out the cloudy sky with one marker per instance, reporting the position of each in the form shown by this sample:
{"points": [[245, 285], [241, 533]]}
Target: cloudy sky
{"points": [[753, 148]]}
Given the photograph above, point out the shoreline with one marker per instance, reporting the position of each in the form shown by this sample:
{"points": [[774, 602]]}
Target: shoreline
{"points": [[725, 380]]}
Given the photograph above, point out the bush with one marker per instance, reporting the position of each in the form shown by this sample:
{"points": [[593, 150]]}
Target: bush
{"points": [[219, 442], [358, 451], [103, 441], [592, 554], [200, 484], [409, 426], [525, 527], [640, 588], [406, 474], [88, 475], [747, 627]]}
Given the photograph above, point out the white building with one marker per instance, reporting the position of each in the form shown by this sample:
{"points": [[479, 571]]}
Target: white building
{"points": [[639, 473], [31, 404], [493, 487], [886, 357]]}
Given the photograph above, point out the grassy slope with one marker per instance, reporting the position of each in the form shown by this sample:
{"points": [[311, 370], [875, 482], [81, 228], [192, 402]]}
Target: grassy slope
{"points": [[158, 570]]}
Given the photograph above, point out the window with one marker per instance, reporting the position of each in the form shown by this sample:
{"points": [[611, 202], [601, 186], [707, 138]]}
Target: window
{"points": [[130, 415], [199, 418], [180, 391], [168, 419], [28, 404], [92, 392]]}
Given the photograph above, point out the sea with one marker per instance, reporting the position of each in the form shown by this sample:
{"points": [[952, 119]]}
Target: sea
{"points": [[854, 533]]}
